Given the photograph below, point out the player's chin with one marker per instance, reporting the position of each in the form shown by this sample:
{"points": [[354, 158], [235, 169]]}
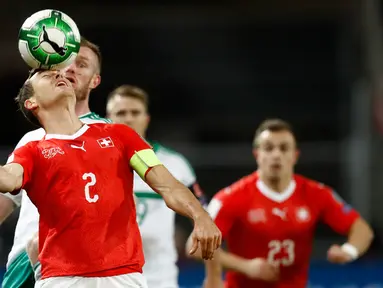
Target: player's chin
{"points": [[75, 85], [275, 171], [65, 91]]}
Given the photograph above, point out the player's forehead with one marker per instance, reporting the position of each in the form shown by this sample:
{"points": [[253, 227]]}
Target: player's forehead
{"points": [[276, 137], [86, 54]]}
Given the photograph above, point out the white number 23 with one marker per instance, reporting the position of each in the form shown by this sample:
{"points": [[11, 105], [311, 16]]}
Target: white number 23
{"points": [[89, 184], [287, 247]]}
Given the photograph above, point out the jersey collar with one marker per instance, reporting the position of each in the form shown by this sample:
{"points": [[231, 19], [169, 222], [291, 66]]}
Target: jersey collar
{"points": [[273, 195], [86, 115], [81, 131]]}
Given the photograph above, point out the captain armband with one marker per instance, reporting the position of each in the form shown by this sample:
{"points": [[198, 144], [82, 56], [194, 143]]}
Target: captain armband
{"points": [[143, 160]]}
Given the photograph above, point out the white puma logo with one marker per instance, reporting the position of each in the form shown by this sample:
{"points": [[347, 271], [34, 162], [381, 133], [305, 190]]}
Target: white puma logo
{"points": [[279, 212], [79, 147]]}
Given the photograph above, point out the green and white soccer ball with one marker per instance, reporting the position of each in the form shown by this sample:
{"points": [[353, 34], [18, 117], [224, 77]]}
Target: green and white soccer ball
{"points": [[49, 39]]}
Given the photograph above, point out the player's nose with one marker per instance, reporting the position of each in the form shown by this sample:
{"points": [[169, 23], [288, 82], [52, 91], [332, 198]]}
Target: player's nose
{"points": [[60, 74], [129, 118], [277, 153], [69, 69], [130, 122]]}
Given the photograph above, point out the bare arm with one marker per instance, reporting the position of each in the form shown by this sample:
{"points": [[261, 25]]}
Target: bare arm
{"points": [[180, 199], [360, 235], [233, 262], [213, 272], [6, 207], [359, 240], [177, 197], [11, 177], [228, 260], [256, 268], [33, 249]]}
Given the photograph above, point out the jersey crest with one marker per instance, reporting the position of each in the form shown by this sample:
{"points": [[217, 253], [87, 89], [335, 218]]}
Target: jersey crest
{"points": [[256, 215], [52, 152]]}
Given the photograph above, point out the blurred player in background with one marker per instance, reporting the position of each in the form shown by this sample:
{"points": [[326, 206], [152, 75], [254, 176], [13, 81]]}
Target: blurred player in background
{"points": [[84, 74], [268, 218], [88, 231], [129, 105]]}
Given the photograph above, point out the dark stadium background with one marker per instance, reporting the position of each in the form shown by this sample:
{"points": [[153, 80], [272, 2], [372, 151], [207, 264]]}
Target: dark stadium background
{"points": [[215, 69]]}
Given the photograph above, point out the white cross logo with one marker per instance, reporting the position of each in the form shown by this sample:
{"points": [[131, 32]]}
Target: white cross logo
{"points": [[105, 142]]}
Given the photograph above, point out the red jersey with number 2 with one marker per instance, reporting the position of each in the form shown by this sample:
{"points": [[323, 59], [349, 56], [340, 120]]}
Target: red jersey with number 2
{"points": [[82, 186], [258, 222]]}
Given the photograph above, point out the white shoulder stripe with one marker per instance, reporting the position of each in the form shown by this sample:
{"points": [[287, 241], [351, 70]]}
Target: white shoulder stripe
{"points": [[214, 207]]}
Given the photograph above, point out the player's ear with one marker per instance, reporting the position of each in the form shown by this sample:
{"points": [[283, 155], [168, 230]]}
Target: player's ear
{"points": [[148, 120], [30, 104], [96, 80], [255, 152], [297, 154]]}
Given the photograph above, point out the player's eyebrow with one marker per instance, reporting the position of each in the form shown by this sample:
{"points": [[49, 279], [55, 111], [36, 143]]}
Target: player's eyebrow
{"points": [[45, 72]]}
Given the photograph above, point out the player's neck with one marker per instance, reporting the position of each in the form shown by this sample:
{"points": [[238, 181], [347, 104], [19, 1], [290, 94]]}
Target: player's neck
{"points": [[82, 107], [279, 184], [62, 121]]}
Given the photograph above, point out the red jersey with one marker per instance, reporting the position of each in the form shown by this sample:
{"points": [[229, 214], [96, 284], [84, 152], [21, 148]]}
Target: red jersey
{"points": [[258, 222], [82, 186]]}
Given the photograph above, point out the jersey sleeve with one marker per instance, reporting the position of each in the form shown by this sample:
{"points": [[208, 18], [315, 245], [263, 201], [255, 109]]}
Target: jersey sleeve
{"points": [[223, 208], [336, 212], [28, 137], [139, 152], [25, 157]]}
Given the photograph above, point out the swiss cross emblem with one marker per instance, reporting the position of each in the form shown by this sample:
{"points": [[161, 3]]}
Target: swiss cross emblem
{"points": [[303, 214], [105, 142]]}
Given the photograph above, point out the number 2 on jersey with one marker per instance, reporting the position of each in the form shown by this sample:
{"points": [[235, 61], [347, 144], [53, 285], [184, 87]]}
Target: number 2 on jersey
{"points": [[287, 247], [89, 184]]}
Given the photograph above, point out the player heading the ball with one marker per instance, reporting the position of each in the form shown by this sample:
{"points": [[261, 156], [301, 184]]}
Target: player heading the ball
{"points": [[88, 226]]}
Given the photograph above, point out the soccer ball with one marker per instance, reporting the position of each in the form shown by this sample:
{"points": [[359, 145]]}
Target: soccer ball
{"points": [[49, 39]]}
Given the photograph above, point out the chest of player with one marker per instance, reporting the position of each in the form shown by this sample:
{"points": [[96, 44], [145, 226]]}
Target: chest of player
{"points": [[272, 220], [79, 172], [83, 154]]}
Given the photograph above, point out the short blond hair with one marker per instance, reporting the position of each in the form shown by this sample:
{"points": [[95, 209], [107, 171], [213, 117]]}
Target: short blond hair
{"points": [[95, 49], [131, 92], [273, 125]]}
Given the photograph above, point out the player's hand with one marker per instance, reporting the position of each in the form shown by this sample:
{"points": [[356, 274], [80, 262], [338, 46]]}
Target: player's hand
{"points": [[259, 268], [33, 249], [336, 255], [205, 236]]}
